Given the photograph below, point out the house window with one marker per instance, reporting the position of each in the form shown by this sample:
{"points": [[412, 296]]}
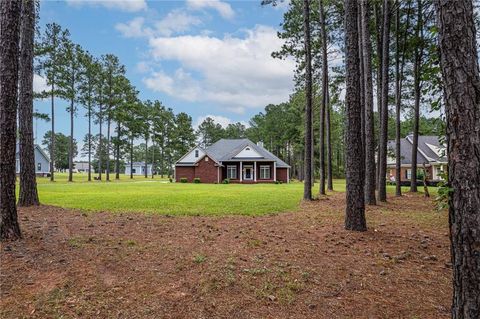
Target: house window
{"points": [[408, 174], [206, 158], [196, 153], [264, 171], [134, 171], [232, 172], [39, 167], [247, 149]]}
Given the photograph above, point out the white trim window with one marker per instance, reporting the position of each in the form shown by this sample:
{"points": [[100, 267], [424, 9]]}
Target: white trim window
{"points": [[408, 173], [264, 171], [232, 171]]}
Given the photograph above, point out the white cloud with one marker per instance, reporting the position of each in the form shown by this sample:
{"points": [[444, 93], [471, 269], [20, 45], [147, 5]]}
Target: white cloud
{"points": [[235, 73], [223, 8], [122, 5], [176, 21], [40, 84]]}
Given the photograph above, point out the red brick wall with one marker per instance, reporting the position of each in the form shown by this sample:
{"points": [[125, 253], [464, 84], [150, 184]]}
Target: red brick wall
{"points": [[282, 174], [403, 172], [207, 170], [184, 171]]}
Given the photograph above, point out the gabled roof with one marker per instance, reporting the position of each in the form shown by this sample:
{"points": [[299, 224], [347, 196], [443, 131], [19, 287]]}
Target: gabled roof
{"points": [[430, 150], [17, 150], [225, 150]]}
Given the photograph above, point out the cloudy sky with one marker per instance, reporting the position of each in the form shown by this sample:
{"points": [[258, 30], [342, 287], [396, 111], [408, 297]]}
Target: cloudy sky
{"points": [[205, 58]]}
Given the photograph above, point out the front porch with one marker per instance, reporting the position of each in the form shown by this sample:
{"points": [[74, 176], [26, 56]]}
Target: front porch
{"points": [[249, 172]]}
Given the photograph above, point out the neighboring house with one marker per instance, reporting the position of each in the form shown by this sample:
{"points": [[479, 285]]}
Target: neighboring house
{"points": [[42, 161], [138, 168], [239, 160], [430, 152], [82, 166]]}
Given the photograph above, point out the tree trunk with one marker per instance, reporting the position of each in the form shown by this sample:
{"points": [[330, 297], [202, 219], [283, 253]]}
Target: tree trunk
{"points": [[89, 140], [28, 195], [329, 144], [382, 183], [324, 98], [146, 156], [107, 173], [153, 157], [117, 152], [307, 191], [9, 57], [417, 92], [461, 83], [52, 96], [369, 119], [100, 143], [355, 208], [70, 149], [379, 36], [399, 65], [131, 158]]}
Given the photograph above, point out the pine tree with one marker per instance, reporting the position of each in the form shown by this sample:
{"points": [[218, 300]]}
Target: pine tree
{"points": [[28, 195]]}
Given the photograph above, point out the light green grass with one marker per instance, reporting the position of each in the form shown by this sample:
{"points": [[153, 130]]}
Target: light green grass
{"points": [[161, 197]]}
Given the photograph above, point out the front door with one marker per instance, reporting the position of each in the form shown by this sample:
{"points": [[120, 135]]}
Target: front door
{"points": [[248, 173]]}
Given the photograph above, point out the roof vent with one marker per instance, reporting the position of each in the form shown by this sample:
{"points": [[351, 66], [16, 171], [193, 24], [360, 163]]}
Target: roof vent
{"points": [[260, 143]]}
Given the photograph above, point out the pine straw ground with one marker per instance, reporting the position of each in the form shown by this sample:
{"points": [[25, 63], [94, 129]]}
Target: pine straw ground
{"points": [[293, 265]]}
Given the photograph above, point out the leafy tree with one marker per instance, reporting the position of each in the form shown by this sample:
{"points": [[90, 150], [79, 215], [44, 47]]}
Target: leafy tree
{"points": [[235, 131], [49, 51], [184, 135], [68, 83], [62, 149], [209, 132]]}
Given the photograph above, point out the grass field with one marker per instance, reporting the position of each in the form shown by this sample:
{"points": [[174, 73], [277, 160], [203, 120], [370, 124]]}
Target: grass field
{"points": [[160, 196]]}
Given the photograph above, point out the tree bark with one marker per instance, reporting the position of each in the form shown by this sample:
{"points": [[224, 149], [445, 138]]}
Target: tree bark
{"points": [[461, 84], [28, 195], [89, 140], [417, 92], [399, 65], [107, 173], [146, 156], [323, 106], [131, 158], [100, 143], [307, 190], [52, 97], [9, 57], [117, 156], [369, 119], [72, 113], [329, 144], [379, 36], [382, 183], [355, 208]]}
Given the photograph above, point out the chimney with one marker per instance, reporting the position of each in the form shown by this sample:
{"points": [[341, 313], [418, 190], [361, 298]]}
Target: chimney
{"points": [[260, 143]]}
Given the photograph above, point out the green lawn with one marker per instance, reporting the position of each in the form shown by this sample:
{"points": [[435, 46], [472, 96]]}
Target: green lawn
{"points": [[160, 196]]}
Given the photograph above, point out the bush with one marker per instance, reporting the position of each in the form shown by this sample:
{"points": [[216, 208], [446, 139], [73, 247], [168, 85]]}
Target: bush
{"points": [[278, 182], [171, 180], [183, 180], [226, 181], [196, 180]]}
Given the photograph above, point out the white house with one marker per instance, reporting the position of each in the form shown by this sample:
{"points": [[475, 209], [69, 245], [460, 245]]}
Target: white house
{"points": [[138, 168], [42, 161]]}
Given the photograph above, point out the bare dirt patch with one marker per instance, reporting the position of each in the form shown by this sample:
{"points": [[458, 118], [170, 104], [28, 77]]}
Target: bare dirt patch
{"points": [[295, 265]]}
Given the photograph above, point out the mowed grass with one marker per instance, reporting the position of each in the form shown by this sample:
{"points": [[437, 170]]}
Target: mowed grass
{"points": [[159, 196]]}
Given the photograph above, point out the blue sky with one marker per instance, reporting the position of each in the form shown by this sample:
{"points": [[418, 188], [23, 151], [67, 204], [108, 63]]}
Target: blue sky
{"points": [[205, 58]]}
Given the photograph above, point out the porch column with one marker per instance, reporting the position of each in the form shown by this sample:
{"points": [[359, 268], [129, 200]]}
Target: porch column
{"points": [[274, 171], [255, 171], [241, 172], [288, 175]]}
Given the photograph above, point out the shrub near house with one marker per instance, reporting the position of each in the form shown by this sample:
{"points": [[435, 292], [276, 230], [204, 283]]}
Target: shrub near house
{"points": [[235, 160]]}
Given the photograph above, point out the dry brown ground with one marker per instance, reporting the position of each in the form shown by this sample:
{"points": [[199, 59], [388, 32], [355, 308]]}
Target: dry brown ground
{"points": [[295, 265]]}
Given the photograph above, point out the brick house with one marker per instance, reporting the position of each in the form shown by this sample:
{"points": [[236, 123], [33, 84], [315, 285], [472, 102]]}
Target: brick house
{"points": [[238, 160], [430, 152]]}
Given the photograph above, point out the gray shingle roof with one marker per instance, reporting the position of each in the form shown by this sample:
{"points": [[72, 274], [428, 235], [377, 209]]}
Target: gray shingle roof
{"points": [[425, 153], [225, 150]]}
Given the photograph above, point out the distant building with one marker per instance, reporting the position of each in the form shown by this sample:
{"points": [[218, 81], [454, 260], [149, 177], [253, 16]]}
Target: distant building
{"points": [[82, 167], [138, 168], [430, 152], [42, 161]]}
